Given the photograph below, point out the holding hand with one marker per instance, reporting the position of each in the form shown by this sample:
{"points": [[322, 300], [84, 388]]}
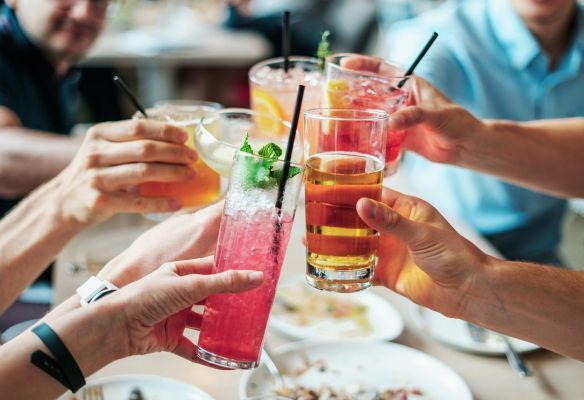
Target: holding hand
{"points": [[420, 255], [113, 159]]}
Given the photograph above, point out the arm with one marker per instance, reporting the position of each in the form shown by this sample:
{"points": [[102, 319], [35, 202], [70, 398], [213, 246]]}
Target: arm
{"points": [[28, 157], [543, 155], [145, 317], [90, 190], [423, 258]]}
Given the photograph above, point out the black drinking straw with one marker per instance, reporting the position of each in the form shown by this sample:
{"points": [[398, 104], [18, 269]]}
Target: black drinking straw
{"points": [[286, 39], [289, 147], [122, 85], [418, 59]]}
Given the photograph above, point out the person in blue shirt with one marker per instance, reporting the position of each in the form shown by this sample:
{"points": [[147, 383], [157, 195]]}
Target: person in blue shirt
{"points": [[501, 59]]}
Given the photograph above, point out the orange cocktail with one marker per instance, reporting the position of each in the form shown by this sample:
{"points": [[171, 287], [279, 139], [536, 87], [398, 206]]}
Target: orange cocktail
{"points": [[205, 187]]}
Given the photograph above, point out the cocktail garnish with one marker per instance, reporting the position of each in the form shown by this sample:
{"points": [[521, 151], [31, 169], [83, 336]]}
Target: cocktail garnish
{"points": [[323, 50], [262, 173]]}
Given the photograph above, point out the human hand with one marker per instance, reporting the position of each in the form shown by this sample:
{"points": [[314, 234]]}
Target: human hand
{"points": [[114, 158], [420, 255], [157, 308], [437, 129], [180, 237]]}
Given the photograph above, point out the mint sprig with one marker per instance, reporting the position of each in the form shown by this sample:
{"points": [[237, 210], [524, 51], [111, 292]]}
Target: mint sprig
{"points": [[323, 50], [262, 173]]}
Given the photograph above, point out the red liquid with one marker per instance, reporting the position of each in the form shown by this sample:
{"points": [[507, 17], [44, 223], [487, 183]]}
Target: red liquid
{"points": [[234, 324]]}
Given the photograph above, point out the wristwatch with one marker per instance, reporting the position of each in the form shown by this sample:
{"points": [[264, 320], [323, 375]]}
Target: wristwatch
{"points": [[94, 289]]}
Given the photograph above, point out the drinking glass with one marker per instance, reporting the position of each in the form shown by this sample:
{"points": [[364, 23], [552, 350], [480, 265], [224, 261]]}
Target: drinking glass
{"points": [[374, 88], [253, 236], [346, 153]]}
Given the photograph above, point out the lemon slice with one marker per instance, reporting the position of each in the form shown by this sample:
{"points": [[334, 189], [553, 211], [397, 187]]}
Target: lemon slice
{"points": [[263, 103], [336, 94]]}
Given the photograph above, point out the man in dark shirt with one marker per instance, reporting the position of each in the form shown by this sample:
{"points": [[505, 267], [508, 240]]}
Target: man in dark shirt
{"points": [[40, 42]]}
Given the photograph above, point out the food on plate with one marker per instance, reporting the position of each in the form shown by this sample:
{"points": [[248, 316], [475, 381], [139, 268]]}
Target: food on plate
{"points": [[350, 392], [304, 306]]}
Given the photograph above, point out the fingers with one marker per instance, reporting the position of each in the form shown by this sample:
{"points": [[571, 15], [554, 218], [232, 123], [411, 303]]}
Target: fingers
{"points": [[362, 63], [201, 266], [133, 203], [387, 221], [126, 131], [143, 151], [116, 177]]}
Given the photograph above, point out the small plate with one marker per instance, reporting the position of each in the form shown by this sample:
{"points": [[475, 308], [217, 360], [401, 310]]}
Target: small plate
{"points": [[341, 364], [153, 387], [324, 315], [455, 333]]}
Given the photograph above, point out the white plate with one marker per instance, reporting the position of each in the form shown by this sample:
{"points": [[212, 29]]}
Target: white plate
{"points": [[454, 332], [153, 387], [373, 317], [381, 365]]}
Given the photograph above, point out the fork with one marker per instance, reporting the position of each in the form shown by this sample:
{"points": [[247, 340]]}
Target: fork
{"points": [[94, 392], [479, 335]]}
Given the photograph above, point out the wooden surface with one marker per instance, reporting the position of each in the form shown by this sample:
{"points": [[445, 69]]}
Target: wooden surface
{"points": [[489, 378]]}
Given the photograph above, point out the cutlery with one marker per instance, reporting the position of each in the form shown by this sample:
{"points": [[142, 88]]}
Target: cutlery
{"points": [[94, 392], [480, 335], [268, 360], [136, 394]]}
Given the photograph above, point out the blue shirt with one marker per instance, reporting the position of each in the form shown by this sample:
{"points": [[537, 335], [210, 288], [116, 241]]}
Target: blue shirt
{"points": [[487, 60]]}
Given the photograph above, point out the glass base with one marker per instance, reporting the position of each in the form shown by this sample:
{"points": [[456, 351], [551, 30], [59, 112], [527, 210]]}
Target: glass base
{"points": [[224, 362], [344, 281]]}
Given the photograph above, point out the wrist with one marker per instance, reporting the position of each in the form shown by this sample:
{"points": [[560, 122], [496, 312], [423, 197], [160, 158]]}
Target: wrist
{"points": [[474, 141]]}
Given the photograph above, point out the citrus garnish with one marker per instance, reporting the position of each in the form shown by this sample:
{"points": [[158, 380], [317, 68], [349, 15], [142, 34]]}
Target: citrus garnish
{"points": [[335, 93], [263, 103]]}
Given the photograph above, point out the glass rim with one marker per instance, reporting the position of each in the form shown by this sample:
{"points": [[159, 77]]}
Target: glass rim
{"points": [[369, 114], [274, 60], [245, 111], [185, 104], [366, 73]]}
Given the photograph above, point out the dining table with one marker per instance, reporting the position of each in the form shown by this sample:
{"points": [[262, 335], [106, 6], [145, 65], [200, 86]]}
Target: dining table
{"points": [[488, 377]]}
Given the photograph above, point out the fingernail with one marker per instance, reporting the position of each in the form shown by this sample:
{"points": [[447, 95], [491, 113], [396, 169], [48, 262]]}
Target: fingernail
{"points": [[174, 204], [395, 121], [182, 136], [191, 174], [370, 208], [192, 155], [256, 277]]}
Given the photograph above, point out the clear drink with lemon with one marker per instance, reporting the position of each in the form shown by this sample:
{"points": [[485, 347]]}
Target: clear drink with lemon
{"points": [[273, 90]]}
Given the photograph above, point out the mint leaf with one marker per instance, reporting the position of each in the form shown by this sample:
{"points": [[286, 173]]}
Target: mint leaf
{"points": [[245, 147], [271, 151], [276, 174]]}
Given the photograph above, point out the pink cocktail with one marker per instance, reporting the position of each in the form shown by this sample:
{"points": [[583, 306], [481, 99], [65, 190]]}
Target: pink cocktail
{"points": [[361, 82], [253, 236]]}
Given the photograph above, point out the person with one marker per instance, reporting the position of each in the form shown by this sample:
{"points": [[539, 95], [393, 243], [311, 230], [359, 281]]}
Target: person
{"points": [[40, 43], [423, 258], [500, 59], [146, 316], [101, 180]]}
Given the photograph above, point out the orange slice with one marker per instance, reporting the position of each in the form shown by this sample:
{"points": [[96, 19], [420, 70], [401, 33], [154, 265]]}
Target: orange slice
{"points": [[263, 103], [335, 94]]}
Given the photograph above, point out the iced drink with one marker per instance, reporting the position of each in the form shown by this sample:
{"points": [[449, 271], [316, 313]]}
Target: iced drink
{"points": [[341, 248], [358, 89], [273, 90], [253, 236]]}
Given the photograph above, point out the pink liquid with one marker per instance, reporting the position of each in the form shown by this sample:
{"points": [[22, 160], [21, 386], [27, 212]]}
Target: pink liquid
{"points": [[371, 94], [234, 324]]}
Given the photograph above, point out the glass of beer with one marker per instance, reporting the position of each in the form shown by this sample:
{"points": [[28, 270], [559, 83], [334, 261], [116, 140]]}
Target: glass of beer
{"points": [[345, 151]]}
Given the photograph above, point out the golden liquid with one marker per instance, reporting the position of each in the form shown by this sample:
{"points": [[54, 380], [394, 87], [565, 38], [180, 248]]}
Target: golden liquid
{"points": [[337, 239], [204, 188]]}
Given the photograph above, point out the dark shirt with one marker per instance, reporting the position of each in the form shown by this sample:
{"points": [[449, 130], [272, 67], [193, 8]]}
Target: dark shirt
{"points": [[30, 87]]}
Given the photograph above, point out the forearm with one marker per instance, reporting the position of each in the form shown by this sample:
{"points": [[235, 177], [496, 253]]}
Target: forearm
{"points": [[33, 233], [29, 158], [543, 155], [532, 302], [92, 335]]}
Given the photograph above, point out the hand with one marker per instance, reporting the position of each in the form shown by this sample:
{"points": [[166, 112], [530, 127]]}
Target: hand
{"points": [[420, 255], [436, 128], [117, 156], [157, 308], [180, 237]]}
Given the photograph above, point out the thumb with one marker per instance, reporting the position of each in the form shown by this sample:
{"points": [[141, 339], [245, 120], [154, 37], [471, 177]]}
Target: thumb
{"points": [[387, 221], [409, 117], [201, 286]]}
